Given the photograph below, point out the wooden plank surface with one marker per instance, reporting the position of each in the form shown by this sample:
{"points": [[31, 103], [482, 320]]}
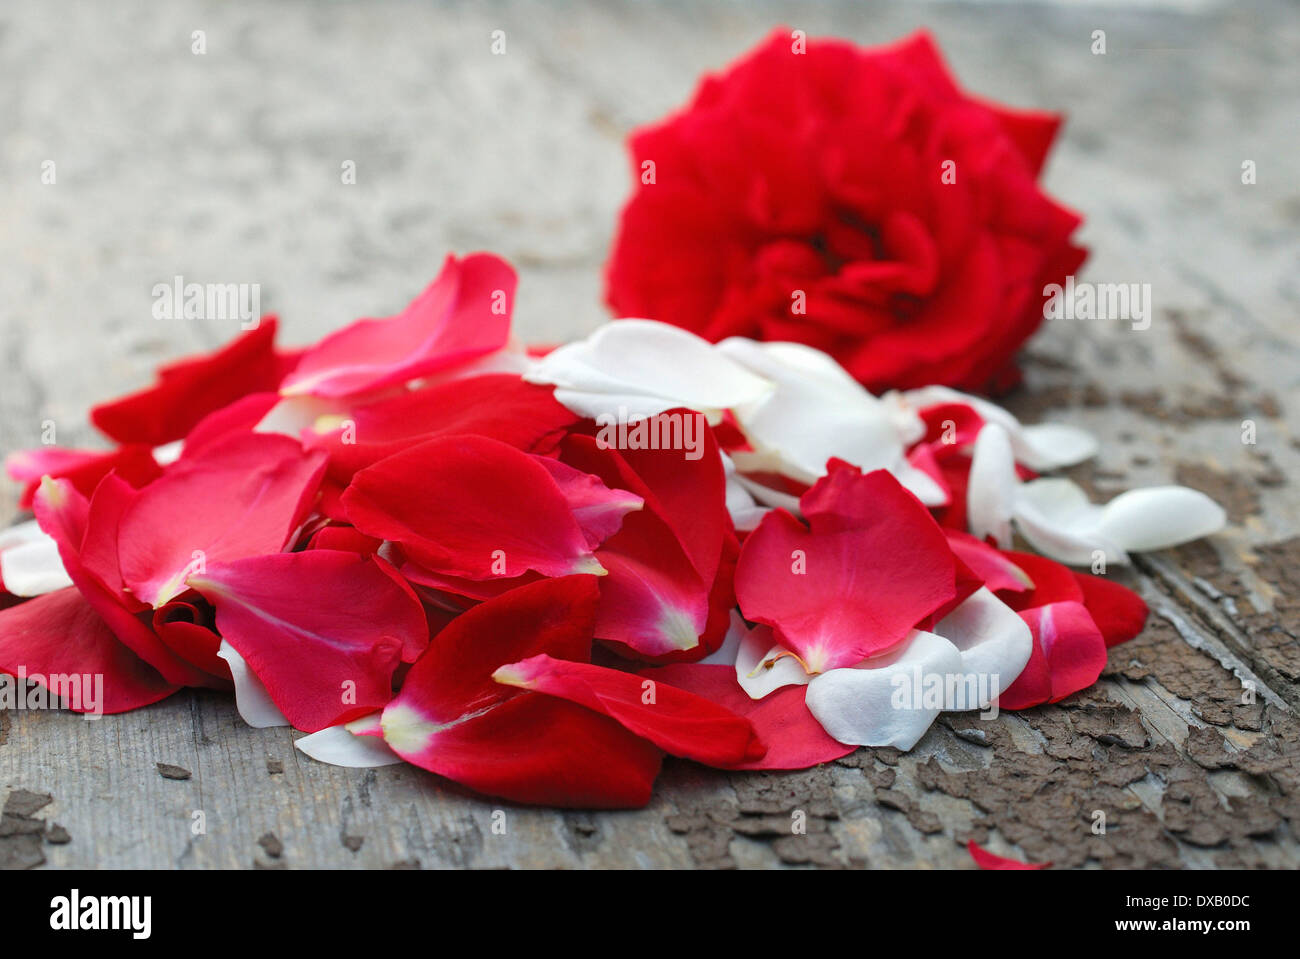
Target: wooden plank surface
{"points": [[225, 167]]}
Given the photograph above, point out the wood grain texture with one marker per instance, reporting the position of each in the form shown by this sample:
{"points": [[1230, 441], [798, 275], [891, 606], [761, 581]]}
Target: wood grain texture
{"points": [[225, 168]]}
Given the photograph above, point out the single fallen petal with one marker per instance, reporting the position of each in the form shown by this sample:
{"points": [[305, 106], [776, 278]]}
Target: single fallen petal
{"points": [[462, 315], [989, 860], [638, 368], [33, 568], [243, 495], [1118, 612], [498, 406], [680, 723], [339, 746], [890, 700], [991, 486], [535, 749], [472, 507], [842, 590], [1158, 517], [1056, 517], [255, 705], [337, 611], [653, 601], [598, 509]]}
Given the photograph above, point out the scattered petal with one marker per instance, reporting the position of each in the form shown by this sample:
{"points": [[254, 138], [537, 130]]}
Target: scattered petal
{"points": [[255, 705], [640, 368], [678, 722], [991, 487], [1068, 655], [840, 590], [462, 315], [471, 507], [988, 860], [243, 495], [889, 700], [338, 611], [339, 746], [452, 719], [33, 568], [995, 644]]}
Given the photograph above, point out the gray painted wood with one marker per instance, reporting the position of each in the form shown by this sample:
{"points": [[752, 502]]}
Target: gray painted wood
{"points": [[225, 167]]}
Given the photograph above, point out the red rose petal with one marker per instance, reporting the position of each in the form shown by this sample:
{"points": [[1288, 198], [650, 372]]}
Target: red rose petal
{"points": [[323, 630], [239, 417], [243, 495], [872, 565], [794, 739], [464, 313], [1069, 654], [471, 507], [500, 406], [1118, 612], [190, 389], [991, 860], [82, 468], [452, 719], [86, 534], [678, 722]]}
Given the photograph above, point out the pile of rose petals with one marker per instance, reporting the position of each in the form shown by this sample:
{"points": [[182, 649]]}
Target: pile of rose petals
{"points": [[537, 574]]}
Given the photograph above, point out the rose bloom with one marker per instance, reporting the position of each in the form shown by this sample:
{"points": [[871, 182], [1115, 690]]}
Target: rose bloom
{"points": [[853, 200]]}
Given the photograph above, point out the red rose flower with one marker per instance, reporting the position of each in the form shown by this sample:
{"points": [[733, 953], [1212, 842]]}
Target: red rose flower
{"points": [[856, 201]]}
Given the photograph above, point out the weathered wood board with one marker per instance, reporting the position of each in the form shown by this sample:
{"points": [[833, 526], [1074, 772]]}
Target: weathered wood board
{"points": [[225, 167]]}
